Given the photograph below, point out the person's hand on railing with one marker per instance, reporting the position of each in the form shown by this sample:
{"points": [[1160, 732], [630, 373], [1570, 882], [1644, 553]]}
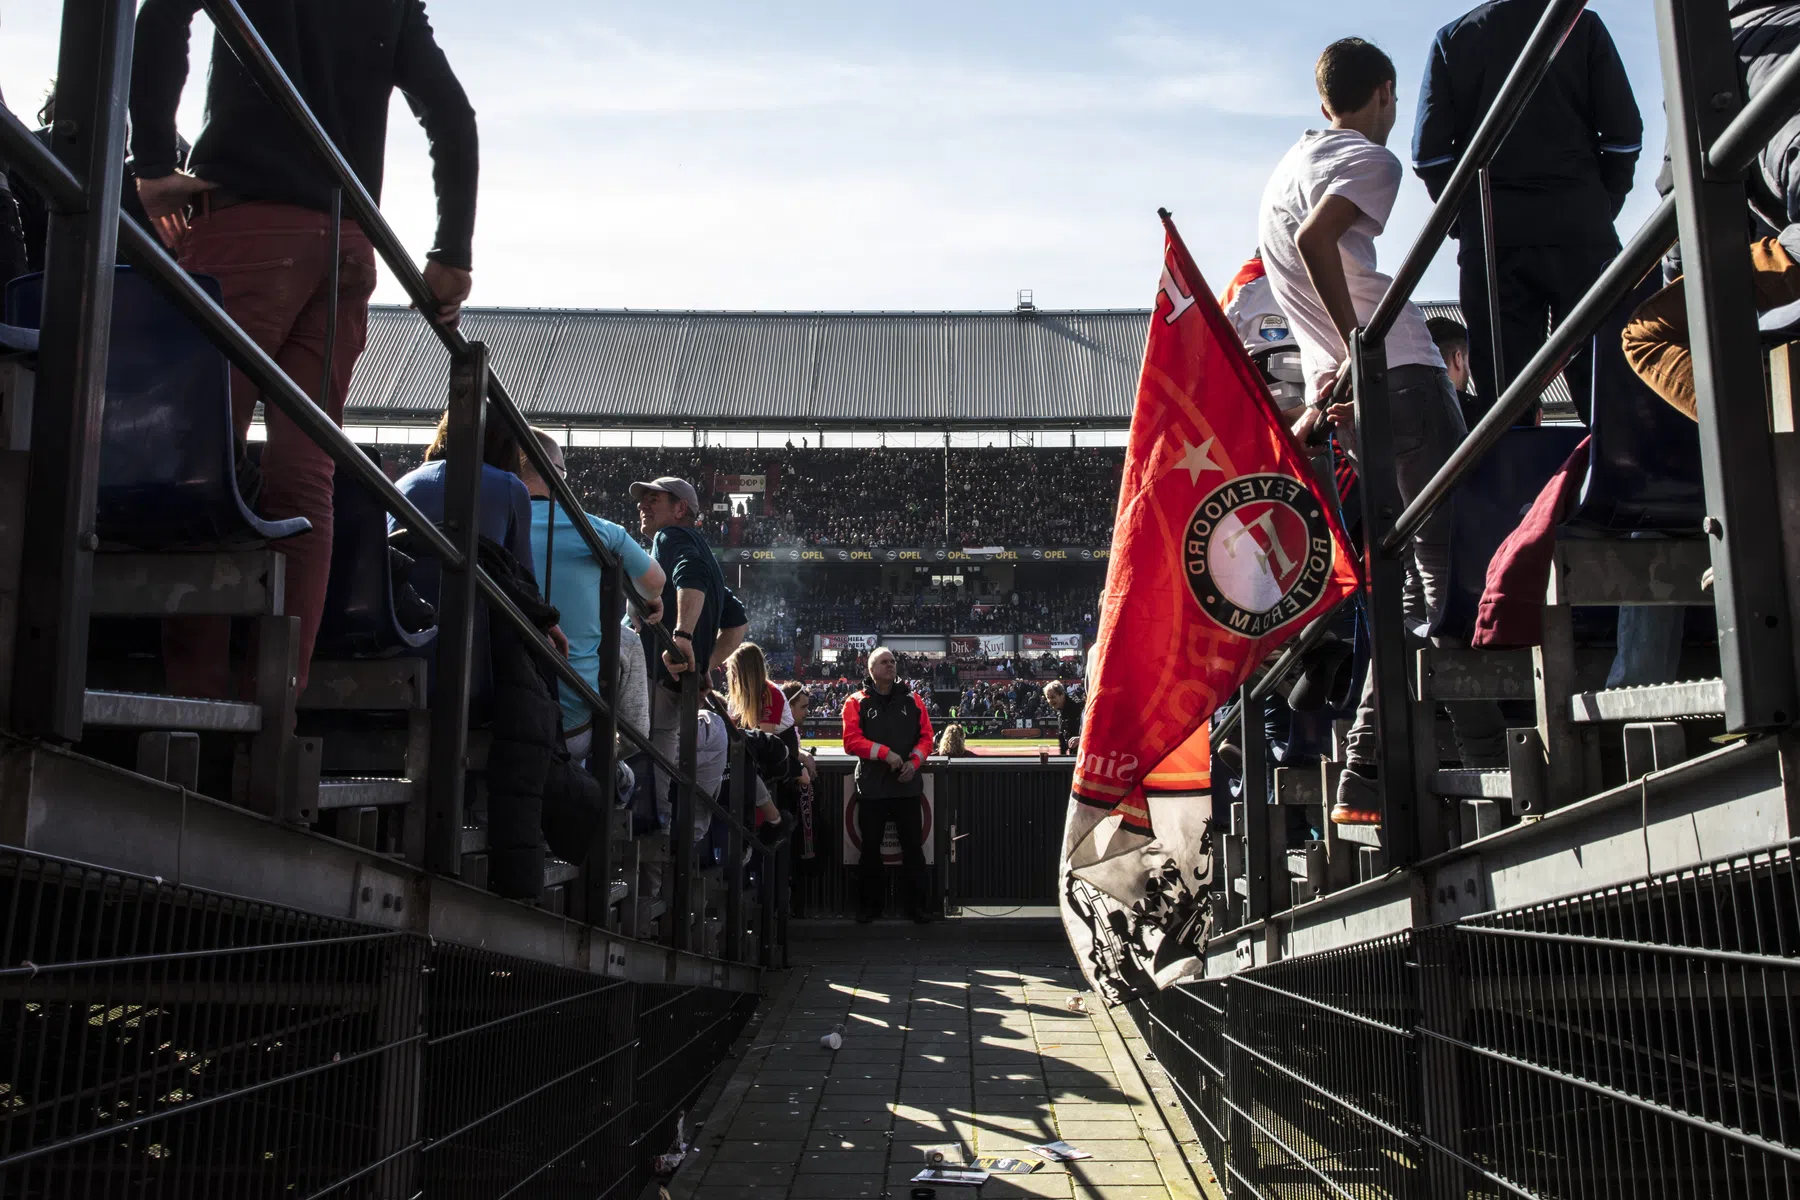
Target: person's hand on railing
{"points": [[451, 286], [166, 202], [558, 639], [653, 609], [682, 661]]}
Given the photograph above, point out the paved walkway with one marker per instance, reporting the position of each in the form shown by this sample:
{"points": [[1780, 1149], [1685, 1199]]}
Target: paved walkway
{"points": [[956, 1036]]}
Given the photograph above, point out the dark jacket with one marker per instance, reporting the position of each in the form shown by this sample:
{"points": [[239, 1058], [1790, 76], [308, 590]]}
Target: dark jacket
{"points": [[1068, 724], [1765, 33], [345, 57], [536, 794], [34, 213], [875, 724], [1563, 172]]}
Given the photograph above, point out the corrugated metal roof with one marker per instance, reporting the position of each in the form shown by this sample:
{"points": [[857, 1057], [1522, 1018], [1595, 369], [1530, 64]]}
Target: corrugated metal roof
{"points": [[608, 367]]}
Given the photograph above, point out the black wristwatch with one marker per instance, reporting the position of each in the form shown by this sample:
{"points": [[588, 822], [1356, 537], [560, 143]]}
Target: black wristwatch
{"points": [[682, 633]]}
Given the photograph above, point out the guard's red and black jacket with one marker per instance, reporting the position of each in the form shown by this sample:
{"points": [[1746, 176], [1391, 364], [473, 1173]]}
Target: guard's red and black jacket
{"points": [[875, 724]]}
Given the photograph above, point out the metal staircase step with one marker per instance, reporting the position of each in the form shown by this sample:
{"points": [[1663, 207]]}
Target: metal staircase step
{"points": [[557, 871], [1360, 835], [473, 839], [1475, 783], [139, 710], [364, 793], [618, 892], [1653, 702]]}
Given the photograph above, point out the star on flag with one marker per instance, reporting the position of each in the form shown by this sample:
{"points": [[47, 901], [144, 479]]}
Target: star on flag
{"points": [[1197, 460]]}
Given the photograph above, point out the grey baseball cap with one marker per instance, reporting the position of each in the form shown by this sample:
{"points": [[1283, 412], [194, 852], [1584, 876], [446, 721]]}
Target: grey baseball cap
{"points": [[681, 489]]}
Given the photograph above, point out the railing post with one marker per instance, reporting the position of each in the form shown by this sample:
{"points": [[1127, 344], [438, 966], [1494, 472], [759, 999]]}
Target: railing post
{"points": [[1387, 606], [56, 565], [456, 613], [681, 820], [1254, 836], [740, 792], [1700, 81], [602, 758]]}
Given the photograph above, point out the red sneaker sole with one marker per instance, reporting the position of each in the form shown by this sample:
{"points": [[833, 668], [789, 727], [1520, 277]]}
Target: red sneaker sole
{"points": [[1352, 816]]}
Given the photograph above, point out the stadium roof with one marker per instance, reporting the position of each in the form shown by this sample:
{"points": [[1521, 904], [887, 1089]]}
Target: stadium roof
{"points": [[773, 369]]}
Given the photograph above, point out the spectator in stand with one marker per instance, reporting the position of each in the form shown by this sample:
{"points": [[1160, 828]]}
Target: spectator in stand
{"points": [[260, 212], [953, 743], [1452, 342], [1069, 713], [1655, 341], [805, 786], [1328, 198], [887, 731], [709, 622], [503, 508], [562, 557], [1559, 179]]}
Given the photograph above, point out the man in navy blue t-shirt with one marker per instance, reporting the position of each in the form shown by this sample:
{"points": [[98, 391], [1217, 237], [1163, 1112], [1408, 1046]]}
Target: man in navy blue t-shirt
{"points": [[704, 616]]}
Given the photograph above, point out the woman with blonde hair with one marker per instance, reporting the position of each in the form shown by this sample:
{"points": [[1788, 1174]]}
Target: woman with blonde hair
{"points": [[953, 743], [755, 702]]}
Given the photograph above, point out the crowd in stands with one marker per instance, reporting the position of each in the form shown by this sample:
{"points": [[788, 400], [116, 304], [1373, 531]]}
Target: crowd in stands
{"points": [[873, 497]]}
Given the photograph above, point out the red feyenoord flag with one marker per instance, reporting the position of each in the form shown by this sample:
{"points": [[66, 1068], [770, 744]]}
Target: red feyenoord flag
{"points": [[1223, 548]]}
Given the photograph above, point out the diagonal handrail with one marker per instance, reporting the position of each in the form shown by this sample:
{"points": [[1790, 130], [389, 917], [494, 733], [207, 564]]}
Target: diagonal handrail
{"points": [[145, 252], [241, 36]]}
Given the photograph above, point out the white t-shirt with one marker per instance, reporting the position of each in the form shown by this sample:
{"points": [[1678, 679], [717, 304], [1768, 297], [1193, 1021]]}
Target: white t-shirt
{"points": [[1336, 162]]}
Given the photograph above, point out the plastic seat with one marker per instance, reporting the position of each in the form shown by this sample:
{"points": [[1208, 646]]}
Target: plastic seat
{"points": [[1487, 506], [168, 477], [359, 619], [1644, 471]]}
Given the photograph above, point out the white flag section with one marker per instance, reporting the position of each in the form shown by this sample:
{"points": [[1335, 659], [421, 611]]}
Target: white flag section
{"points": [[1135, 906]]}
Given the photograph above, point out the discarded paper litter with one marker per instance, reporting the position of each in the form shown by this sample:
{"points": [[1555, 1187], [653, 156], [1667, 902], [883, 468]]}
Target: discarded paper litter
{"points": [[1058, 1152], [971, 1176], [1006, 1166], [833, 1040]]}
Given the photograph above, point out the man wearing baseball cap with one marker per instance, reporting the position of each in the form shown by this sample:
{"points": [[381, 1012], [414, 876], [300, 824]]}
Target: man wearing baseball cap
{"points": [[707, 621]]}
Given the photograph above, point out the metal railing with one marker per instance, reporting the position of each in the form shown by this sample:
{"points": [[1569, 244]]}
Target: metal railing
{"points": [[1714, 139], [1620, 1042], [168, 1042], [47, 695]]}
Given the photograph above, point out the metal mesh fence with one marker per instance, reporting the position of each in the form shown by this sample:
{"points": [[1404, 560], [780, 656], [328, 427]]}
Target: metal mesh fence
{"points": [[1637, 1040], [156, 1041]]}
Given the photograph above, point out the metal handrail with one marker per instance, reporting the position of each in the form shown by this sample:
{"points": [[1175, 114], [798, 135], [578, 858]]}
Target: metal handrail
{"points": [[1521, 83], [144, 251], [251, 51], [1731, 153]]}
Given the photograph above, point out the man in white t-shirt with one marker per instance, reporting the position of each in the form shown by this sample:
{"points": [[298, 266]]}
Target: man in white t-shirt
{"points": [[1321, 211]]}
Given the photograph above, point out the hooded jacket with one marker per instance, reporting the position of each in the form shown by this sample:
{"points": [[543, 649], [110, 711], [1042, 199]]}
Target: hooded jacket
{"points": [[875, 724]]}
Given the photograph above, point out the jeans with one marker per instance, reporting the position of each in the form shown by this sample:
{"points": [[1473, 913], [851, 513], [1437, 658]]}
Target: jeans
{"points": [[273, 265], [1427, 425]]}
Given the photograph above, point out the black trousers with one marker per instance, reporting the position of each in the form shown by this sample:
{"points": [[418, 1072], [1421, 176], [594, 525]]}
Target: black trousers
{"points": [[1538, 287], [872, 816]]}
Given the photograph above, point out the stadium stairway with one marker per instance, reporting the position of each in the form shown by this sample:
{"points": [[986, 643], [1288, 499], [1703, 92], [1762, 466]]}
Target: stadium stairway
{"points": [[1599, 783]]}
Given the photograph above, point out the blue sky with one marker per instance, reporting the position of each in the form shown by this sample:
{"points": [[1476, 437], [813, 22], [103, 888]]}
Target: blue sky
{"points": [[918, 156]]}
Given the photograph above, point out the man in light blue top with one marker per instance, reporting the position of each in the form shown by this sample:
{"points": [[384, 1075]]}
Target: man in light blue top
{"points": [[574, 587]]}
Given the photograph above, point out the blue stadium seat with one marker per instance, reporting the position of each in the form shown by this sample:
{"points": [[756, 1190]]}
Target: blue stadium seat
{"points": [[359, 620], [1487, 506], [168, 477], [1644, 473]]}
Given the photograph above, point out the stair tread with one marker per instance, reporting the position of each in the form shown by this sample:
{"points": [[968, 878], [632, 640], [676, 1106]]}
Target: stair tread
{"points": [[354, 791], [1477, 783], [143, 710], [1689, 698]]}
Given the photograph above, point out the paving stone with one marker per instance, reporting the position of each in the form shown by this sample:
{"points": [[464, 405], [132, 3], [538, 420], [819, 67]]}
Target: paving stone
{"points": [[1121, 1192], [707, 1191], [746, 1151], [760, 1174], [1077, 1131], [837, 1187], [842, 1162], [1095, 1170], [836, 1087], [1038, 1183]]}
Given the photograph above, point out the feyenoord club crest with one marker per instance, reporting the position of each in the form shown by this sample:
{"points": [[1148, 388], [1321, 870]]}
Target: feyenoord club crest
{"points": [[1258, 552]]}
